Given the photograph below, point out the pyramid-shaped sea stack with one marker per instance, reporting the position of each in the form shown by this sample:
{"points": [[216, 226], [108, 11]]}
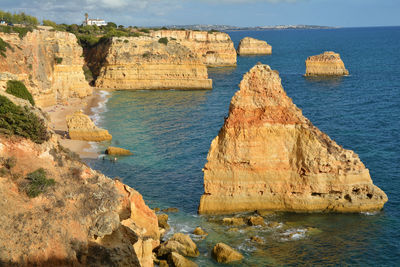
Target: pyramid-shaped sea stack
{"points": [[268, 156]]}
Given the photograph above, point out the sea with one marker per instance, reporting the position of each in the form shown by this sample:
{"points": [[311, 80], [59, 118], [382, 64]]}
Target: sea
{"points": [[170, 133]]}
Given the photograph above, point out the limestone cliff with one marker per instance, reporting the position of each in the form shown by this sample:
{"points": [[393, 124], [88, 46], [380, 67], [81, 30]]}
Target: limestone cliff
{"points": [[49, 63], [83, 219], [326, 64], [81, 127], [268, 156], [145, 63], [215, 49], [250, 46]]}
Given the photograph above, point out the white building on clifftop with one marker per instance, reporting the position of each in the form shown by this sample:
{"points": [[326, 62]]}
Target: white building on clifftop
{"points": [[98, 22]]}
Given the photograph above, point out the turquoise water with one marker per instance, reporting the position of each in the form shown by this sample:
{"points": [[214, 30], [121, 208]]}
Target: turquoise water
{"points": [[170, 133]]}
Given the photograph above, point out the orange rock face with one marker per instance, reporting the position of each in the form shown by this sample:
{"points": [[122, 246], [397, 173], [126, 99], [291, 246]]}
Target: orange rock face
{"points": [[268, 156], [215, 49], [326, 64], [49, 63]]}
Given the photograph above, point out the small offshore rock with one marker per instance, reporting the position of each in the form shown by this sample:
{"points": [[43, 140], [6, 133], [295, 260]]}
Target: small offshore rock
{"points": [[327, 64], [251, 46], [223, 253], [156, 209], [256, 239], [255, 220], [199, 231], [177, 260], [179, 243], [234, 229], [170, 210], [163, 221], [233, 221], [111, 150]]}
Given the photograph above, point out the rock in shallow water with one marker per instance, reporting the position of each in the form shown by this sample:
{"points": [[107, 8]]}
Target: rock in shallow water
{"points": [[268, 156], [111, 150], [326, 64], [223, 253], [251, 46], [179, 243], [177, 260], [81, 127]]}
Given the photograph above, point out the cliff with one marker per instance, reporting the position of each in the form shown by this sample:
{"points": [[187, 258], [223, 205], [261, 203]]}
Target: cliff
{"points": [[268, 156], [250, 46], [49, 63], [144, 63], [215, 49], [326, 64], [56, 211]]}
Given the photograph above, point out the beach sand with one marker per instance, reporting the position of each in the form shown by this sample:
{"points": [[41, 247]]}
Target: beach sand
{"points": [[58, 122]]}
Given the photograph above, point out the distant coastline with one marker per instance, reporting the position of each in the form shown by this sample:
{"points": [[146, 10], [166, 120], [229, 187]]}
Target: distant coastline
{"points": [[202, 27]]}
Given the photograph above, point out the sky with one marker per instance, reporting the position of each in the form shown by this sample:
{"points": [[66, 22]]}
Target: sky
{"points": [[341, 13]]}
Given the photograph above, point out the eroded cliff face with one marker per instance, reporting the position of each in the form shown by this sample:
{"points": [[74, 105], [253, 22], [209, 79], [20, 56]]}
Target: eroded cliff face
{"points": [[268, 156], [144, 63], [49, 63], [327, 64], [250, 46], [84, 219], [215, 49]]}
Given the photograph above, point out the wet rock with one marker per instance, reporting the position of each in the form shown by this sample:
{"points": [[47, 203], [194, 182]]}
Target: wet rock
{"points": [[255, 220], [223, 253], [233, 221], [177, 260], [273, 224], [199, 231], [163, 263], [163, 221], [179, 243], [264, 212], [234, 229], [313, 231], [256, 239], [170, 210], [156, 209]]}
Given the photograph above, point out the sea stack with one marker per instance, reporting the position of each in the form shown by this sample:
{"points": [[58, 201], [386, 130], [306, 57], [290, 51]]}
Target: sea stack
{"points": [[327, 64], [268, 156], [250, 46]]}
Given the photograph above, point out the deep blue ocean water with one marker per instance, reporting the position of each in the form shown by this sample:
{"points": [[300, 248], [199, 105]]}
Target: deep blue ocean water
{"points": [[170, 133]]}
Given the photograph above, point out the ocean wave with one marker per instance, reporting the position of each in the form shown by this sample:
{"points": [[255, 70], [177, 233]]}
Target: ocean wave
{"points": [[100, 108]]}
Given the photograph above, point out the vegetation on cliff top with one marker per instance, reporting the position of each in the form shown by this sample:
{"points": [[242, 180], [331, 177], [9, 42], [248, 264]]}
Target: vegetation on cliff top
{"points": [[20, 18], [18, 89], [15, 120]]}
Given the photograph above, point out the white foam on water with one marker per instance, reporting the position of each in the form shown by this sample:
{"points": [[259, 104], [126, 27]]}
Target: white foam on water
{"points": [[370, 213], [100, 108], [293, 234]]}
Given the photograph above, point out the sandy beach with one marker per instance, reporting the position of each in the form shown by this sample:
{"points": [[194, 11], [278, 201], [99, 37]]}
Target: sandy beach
{"points": [[58, 122]]}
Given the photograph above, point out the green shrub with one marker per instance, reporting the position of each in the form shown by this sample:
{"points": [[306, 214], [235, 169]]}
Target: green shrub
{"points": [[58, 60], [3, 172], [126, 41], [3, 47], [163, 40], [145, 30], [212, 31], [49, 23], [18, 89], [10, 163], [38, 183], [88, 73], [146, 54], [15, 120]]}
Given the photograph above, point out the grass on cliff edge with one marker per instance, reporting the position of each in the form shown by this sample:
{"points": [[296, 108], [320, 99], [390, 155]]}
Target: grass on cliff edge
{"points": [[38, 183], [15, 120], [3, 47], [18, 89]]}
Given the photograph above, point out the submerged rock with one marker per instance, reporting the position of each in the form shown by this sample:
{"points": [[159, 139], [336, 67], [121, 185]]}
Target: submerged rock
{"points": [[233, 221], [199, 231], [251, 46], [81, 127], [111, 150], [179, 243], [255, 220], [327, 64], [170, 210], [223, 253], [256, 239], [268, 156]]}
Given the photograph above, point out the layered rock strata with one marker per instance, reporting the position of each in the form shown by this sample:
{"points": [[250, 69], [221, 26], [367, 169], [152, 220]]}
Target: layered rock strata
{"points": [[83, 219], [49, 63], [250, 46], [327, 64], [215, 49], [145, 63], [81, 127], [268, 156]]}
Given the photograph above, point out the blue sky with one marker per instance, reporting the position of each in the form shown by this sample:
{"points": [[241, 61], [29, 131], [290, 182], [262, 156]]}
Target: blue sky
{"points": [[344, 13]]}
